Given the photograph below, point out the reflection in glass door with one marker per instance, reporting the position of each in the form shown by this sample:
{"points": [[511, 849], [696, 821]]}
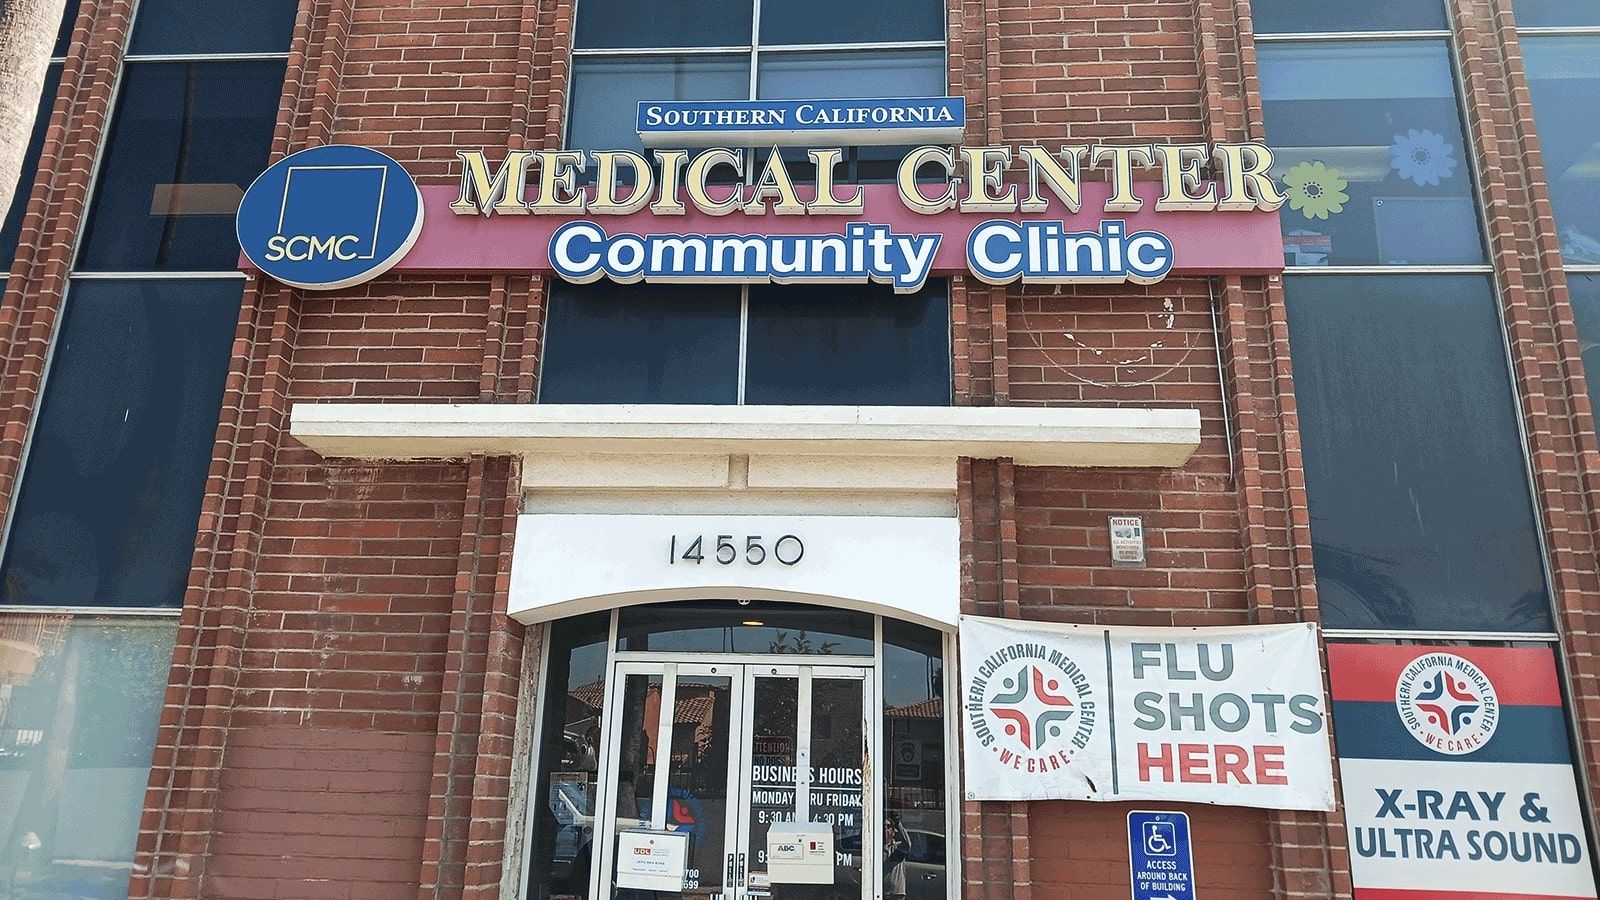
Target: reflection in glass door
{"points": [[788, 743]]}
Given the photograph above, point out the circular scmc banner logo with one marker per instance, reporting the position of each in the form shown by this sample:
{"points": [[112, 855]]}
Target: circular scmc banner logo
{"points": [[1034, 710], [1447, 704], [330, 217]]}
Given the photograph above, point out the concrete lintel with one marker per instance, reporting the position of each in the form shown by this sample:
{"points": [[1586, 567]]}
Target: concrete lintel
{"points": [[1031, 436]]}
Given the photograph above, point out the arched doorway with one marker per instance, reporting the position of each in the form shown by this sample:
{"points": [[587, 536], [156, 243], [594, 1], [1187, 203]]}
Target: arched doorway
{"points": [[677, 742]]}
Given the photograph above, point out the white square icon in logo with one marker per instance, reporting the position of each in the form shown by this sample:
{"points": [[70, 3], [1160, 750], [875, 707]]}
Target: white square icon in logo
{"points": [[335, 201]]}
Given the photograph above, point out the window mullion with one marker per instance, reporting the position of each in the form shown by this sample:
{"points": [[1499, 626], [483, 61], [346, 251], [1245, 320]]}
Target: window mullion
{"points": [[744, 337]]}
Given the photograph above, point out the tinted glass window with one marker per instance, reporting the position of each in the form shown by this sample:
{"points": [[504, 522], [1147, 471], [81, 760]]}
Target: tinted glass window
{"points": [[1421, 515], [723, 626], [1585, 288], [606, 92], [663, 23], [205, 26], [641, 344], [1370, 150], [802, 76], [851, 21], [69, 18], [569, 770], [914, 748], [1547, 13], [79, 721], [1300, 16], [847, 74], [11, 231], [119, 455], [848, 345], [1564, 75], [187, 139]]}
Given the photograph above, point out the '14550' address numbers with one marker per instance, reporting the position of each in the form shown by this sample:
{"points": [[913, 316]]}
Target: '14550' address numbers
{"points": [[726, 549]]}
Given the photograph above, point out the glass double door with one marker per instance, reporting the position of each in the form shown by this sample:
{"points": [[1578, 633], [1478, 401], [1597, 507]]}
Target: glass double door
{"points": [[723, 752]]}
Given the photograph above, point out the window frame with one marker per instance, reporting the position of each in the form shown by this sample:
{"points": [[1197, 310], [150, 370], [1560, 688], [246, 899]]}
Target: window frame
{"points": [[539, 696], [1540, 31], [751, 51], [744, 340], [75, 273], [1487, 268]]}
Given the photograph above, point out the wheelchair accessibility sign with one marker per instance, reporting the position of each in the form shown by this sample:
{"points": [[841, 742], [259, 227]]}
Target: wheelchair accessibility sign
{"points": [[1160, 857]]}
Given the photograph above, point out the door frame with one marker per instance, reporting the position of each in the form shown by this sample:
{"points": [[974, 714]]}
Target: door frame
{"points": [[743, 671]]}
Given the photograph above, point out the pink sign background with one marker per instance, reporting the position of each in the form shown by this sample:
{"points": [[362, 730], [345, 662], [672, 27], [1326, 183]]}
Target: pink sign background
{"points": [[1206, 243]]}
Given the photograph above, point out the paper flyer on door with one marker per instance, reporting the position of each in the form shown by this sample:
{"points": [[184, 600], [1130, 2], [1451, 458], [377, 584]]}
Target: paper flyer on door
{"points": [[1232, 716]]}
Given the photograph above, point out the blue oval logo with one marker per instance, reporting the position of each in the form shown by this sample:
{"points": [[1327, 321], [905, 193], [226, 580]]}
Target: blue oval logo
{"points": [[330, 217]]}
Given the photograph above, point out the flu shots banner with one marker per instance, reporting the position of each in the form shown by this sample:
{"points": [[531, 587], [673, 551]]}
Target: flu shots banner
{"points": [[1456, 774], [1203, 715]]}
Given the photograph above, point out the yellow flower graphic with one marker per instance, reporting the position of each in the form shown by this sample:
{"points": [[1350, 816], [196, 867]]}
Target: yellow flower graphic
{"points": [[1316, 190]]}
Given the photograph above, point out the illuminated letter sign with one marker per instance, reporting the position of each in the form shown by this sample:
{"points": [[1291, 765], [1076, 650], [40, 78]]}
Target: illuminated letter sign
{"points": [[335, 216]]}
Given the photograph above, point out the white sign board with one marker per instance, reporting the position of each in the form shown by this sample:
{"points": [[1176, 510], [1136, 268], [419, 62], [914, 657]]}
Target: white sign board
{"points": [[652, 860], [1457, 774], [1201, 715], [904, 566]]}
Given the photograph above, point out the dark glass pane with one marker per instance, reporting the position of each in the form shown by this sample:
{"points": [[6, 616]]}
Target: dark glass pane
{"points": [[1370, 151], [850, 74], [1300, 16], [914, 746], [663, 23], [79, 714], [69, 18], [848, 345], [569, 767], [1564, 75], [613, 343], [606, 92], [697, 798], [851, 22], [117, 466], [186, 140], [837, 713], [1548, 13], [205, 26], [723, 626], [774, 734], [1421, 516], [11, 231], [1585, 290]]}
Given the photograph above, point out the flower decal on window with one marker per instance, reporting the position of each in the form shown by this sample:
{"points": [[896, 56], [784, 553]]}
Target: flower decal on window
{"points": [[1422, 157], [1315, 190]]}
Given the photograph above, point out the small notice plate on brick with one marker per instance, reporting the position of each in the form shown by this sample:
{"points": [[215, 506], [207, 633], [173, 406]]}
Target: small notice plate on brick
{"points": [[1127, 542]]}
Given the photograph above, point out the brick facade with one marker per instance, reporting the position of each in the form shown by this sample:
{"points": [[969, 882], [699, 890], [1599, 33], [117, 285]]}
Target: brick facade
{"points": [[342, 712]]}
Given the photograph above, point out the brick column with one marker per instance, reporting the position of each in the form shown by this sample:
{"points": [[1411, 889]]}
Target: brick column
{"points": [[1557, 409]]}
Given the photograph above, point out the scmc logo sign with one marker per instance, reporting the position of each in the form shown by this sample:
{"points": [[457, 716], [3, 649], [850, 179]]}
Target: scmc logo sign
{"points": [[330, 217]]}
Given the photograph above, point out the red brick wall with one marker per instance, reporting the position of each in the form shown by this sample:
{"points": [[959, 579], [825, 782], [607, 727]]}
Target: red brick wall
{"points": [[341, 711]]}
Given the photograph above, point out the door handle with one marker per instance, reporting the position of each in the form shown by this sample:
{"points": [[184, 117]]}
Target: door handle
{"points": [[729, 879], [741, 870]]}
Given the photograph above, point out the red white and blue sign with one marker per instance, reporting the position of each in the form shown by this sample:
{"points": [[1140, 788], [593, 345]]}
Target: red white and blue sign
{"points": [[1457, 774], [330, 217], [1160, 856]]}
